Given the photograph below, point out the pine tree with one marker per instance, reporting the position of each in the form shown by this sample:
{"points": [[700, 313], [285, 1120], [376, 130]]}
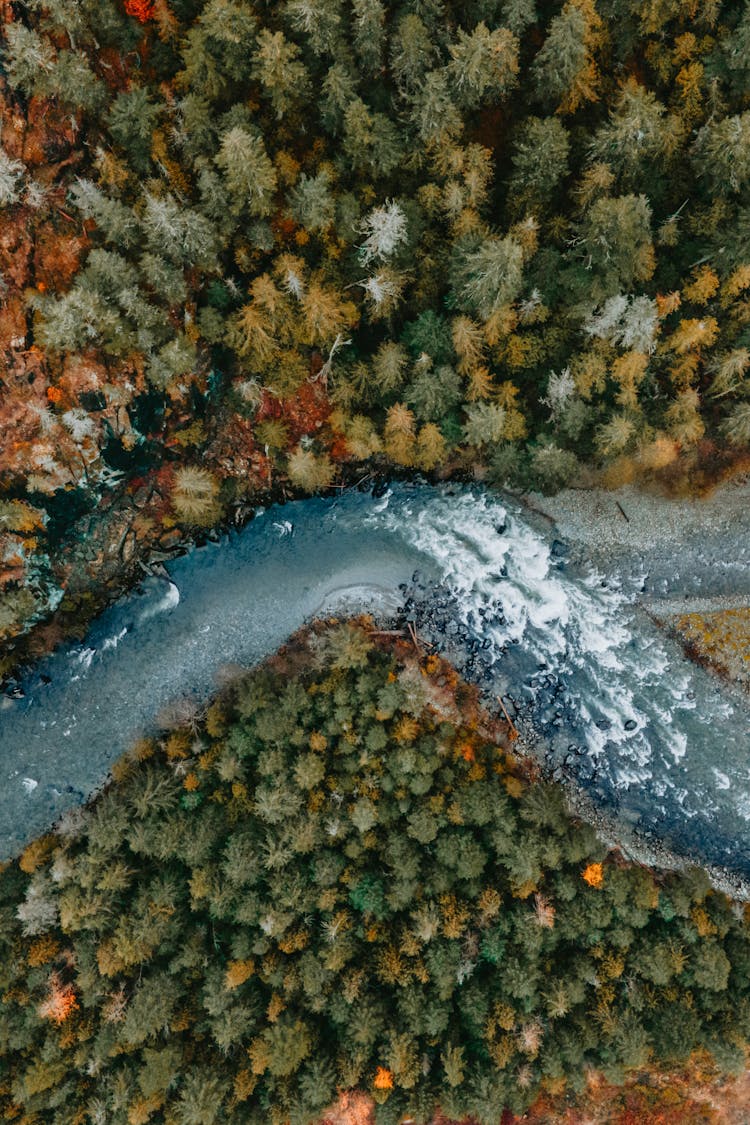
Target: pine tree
{"points": [[30, 56], [483, 66], [487, 276], [72, 81], [179, 232], [117, 223], [432, 109], [412, 52], [217, 47], [277, 67], [320, 21], [249, 174], [371, 141], [434, 393], [369, 34], [613, 241], [518, 15], [636, 135], [131, 120], [484, 423], [552, 467], [540, 162], [722, 153], [311, 202], [563, 71], [339, 91], [11, 178], [201, 1098]]}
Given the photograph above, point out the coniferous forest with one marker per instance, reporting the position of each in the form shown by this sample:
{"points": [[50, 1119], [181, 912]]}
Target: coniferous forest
{"points": [[341, 878], [252, 250], [247, 247]]}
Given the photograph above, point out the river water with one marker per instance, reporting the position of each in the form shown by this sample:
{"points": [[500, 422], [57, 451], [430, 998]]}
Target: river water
{"points": [[615, 704]]}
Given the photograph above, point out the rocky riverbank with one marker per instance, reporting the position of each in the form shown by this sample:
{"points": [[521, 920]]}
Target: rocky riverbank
{"points": [[435, 624], [591, 683]]}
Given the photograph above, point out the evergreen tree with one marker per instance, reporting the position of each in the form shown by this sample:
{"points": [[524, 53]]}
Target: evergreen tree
{"points": [[563, 71], [487, 276], [540, 162], [722, 153], [249, 174], [276, 66], [131, 120], [484, 65], [613, 242]]}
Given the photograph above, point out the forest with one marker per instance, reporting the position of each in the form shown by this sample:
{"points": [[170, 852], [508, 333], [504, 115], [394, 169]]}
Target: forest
{"points": [[339, 877], [254, 249]]}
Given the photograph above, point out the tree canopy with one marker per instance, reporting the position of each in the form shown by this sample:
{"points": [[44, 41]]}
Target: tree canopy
{"points": [[221, 212], [339, 877]]}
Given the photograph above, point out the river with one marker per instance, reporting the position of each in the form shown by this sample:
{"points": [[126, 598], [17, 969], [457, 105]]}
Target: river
{"points": [[613, 702]]}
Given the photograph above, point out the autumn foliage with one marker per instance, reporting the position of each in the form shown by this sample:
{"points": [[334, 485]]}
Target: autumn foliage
{"points": [[341, 902], [142, 10], [438, 238], [593, 874], [61, 1001]]}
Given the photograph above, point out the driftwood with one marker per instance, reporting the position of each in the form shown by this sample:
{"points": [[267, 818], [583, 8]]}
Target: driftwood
{"points": [[513, 728]]}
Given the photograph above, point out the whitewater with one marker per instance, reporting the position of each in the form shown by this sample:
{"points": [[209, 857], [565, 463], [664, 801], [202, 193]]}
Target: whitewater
{"points": [[604, 696]]}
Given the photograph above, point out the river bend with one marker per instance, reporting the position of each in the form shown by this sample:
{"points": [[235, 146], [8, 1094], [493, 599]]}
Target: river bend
{"points": [[617, 705]]}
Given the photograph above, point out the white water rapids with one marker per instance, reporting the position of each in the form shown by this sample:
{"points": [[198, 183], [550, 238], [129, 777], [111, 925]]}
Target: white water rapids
{"points": [[615, 703]]}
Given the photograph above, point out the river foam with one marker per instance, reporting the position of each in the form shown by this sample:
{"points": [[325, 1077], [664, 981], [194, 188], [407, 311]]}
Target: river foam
{"points": [[616, 704]]}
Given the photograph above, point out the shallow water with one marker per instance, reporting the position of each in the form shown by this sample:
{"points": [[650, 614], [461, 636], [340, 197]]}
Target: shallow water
{"points": [[618, 705]]}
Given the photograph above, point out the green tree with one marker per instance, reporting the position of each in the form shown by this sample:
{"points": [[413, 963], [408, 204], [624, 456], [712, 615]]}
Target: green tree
{"points": [[319, 21], [312, 203], [216, 48], [562, 72], [249, 174], [201, 1098], [483, 66], [28, 56], [637, 134], [371, 141], [369, 34], [540, 163], [433, 109], [132, 118], [413, 52], [277, 67], [613, 242], [487, 275], [722, 153], [518, 15]]}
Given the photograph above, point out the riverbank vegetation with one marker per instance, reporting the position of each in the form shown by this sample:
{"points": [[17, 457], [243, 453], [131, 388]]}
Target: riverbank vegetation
{"points": [[339, 878], [246, 246]]}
